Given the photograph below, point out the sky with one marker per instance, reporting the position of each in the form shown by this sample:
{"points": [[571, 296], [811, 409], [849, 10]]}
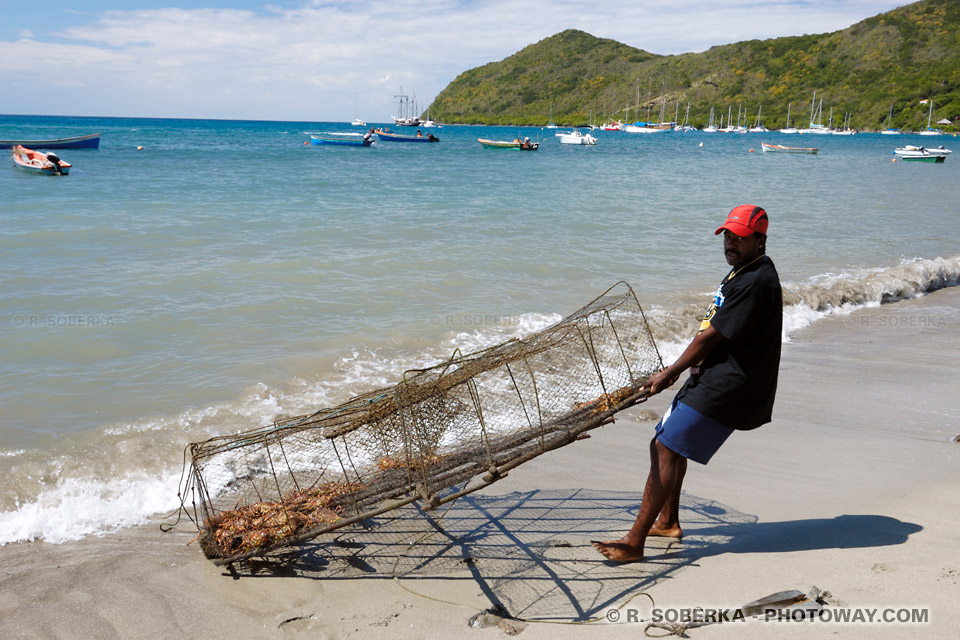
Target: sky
{"points": [[333, 60]]}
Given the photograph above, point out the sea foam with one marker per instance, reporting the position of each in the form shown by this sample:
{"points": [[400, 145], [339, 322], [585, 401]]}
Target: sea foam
{"points": [[78, 498]]}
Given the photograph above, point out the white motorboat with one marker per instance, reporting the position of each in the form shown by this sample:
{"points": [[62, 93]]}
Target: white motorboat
{"points": [[576, 137], [911, 151]]}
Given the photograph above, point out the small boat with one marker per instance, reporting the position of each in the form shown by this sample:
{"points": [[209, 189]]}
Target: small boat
{"points": [[91, 141], [387, 136], [36, 162], [341, 139], [357, 122], [925, 158], [576, 137], [923, 154], [779, 148], [518, 145]]}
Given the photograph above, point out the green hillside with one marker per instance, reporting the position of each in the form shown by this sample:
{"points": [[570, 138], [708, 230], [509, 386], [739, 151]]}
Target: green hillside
{"points": [[895, 59]]}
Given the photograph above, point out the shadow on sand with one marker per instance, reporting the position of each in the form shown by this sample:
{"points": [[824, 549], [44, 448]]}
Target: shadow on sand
{"points": [[529, 552]]}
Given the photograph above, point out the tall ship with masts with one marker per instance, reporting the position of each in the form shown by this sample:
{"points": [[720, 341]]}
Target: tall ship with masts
{"points": [[407, 113]]}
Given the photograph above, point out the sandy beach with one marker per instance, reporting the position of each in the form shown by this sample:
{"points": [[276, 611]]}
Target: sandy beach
{"points": [[851, 489]]}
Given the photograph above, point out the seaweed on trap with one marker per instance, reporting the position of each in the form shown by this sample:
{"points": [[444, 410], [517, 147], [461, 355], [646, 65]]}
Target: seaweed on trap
{"points": [[465, 421]]}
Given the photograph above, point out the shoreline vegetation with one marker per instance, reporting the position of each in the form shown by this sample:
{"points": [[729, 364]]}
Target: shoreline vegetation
{"points": [[879, 73]]}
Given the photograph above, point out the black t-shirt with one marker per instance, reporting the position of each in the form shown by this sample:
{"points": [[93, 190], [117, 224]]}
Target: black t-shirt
{"points": [[737, 381]]}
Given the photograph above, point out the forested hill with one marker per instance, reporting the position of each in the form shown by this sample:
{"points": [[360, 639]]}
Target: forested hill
{"points": [[895, 59]]}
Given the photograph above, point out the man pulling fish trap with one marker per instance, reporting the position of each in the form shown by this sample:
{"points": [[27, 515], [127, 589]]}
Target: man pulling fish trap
{"points": [[733, 362]]}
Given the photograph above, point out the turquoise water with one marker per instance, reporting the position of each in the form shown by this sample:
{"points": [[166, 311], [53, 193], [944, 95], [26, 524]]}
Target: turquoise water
{"points": [[227, 273]]}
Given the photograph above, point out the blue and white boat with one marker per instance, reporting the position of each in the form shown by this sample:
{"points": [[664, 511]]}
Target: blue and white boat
{"points": [[90, 141]]}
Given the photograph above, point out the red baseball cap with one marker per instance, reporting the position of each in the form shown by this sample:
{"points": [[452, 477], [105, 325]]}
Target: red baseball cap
{"points": [[746, 220]]}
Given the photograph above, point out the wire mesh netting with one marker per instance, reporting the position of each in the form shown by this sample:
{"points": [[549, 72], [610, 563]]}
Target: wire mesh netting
{"points": [[465, 421]]}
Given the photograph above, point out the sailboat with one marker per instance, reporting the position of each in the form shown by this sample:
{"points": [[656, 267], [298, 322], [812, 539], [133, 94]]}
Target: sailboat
{"points": [[888, 131], [741, 128], [357, 122], [846, 131], [757, 127], [788, 128], [686, 120], [815, 116], [407, 113], [428, 122], [648, 126], [928, 131], [550, 123], [710, 128], [728, 128]]}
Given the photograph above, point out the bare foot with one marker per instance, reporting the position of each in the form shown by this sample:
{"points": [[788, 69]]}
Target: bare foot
{"points": [[669, 531], [618, 550]]}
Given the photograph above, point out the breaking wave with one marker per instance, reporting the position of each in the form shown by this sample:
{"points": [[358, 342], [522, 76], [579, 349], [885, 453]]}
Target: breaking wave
{"points": [[125, 474]]}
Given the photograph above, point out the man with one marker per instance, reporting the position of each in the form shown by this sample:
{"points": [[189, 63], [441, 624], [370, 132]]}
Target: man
{"points": [[733, 362]]}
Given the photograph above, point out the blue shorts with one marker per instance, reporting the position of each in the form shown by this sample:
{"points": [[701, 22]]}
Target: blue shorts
{"points": [[694, 436]]}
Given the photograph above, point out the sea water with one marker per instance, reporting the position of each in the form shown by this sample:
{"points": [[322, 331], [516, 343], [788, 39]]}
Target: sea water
{"points": [[227, 273]]}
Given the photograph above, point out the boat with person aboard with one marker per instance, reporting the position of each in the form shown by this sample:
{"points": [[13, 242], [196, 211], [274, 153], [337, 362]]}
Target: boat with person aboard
{"points": [[387, 136], [516, 144], [37, 162]]}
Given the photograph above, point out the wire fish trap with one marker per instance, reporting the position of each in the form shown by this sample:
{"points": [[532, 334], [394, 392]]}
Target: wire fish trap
{"points": [[468, 420]]}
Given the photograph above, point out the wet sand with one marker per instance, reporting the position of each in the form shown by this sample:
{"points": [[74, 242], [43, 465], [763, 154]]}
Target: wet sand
{"points": [[852, 488]]}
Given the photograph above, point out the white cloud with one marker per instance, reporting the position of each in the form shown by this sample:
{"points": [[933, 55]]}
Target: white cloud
{"points": [[313, 61]]}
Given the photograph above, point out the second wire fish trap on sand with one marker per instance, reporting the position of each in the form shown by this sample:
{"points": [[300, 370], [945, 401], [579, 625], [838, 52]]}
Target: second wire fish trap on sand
{"points": [[467, 420]]}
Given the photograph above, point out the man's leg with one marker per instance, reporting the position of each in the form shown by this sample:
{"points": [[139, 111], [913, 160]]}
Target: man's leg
{"points": [[665, 468], [668, 524]]}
